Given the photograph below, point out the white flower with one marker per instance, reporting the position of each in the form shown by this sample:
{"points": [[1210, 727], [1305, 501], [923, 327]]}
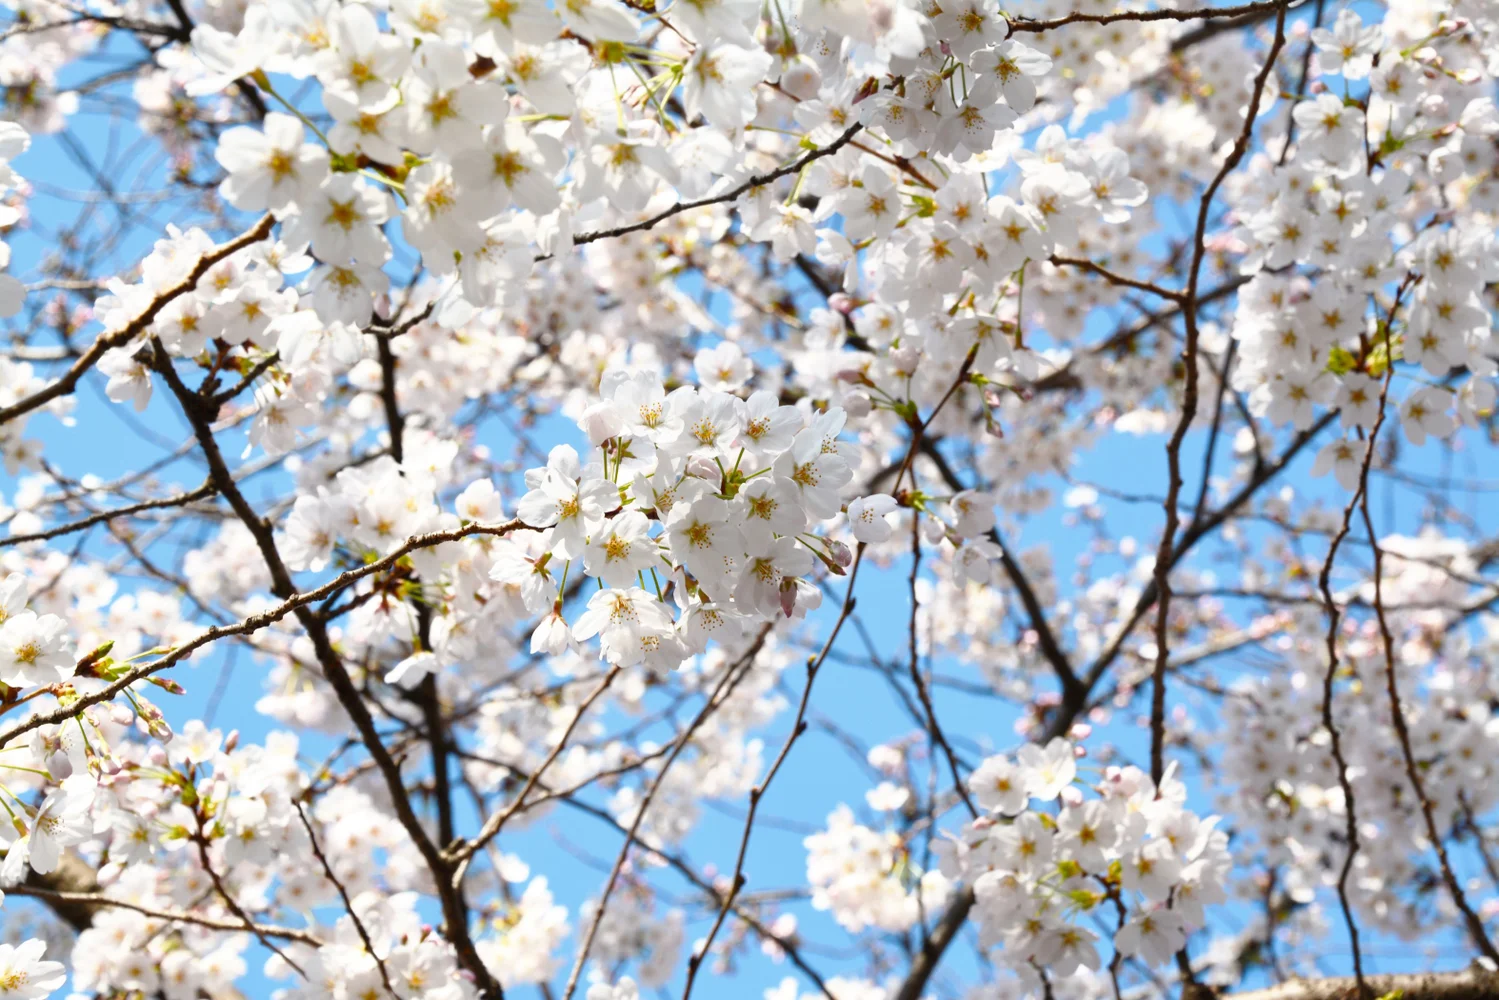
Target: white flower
{"points": [[816, 473], [34, 649], [569, 500], [769, 427], [1348, 48], [632, 627], [1047, 769], [362, 64], [62, 821], [723, 367], [1426, 411], [1154, 935], [194, 743], [480, 503], [762, 584], [270, 169], [413, 669], [707, 541], [719, 81], [619, 552], [771, 507], [999, 786], [1342, 457], [866, 517], [129, 379], [13, 595], [23, 974], [972, 513], [887, 797], [789, 231], [342, 220], [1152, 870], [599, 20], [625, 989], [1016, 67], [512, 165]]}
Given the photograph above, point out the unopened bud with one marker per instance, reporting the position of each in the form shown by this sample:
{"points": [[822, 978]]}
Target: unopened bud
{"points": [[157, 754], [788, 595], [59, 766], [86, 664], [703, 468], [932, 530], [857, 405], [231, 741], [602, 421], [167, 685], [842, 554]]}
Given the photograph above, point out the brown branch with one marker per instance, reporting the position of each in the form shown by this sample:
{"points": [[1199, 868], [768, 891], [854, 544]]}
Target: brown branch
{"points": [[201, 493], [364, 934], [135, 327], [757, 793], [933, 727], [1116, 279], [1324, 584], [1397, 716], [1248, 13], [93, 900], [1473, 983], [454, 912], [681, 867], [759, 180], [1189, 404], [730, 676], [253, 623], [245, 923], [492, 826]]}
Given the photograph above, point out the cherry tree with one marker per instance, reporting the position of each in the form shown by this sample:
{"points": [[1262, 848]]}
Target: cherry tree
{"points": [[577, 415]]}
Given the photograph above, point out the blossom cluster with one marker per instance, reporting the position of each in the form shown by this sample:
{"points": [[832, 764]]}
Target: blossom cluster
{"points": [[1048, 855]]}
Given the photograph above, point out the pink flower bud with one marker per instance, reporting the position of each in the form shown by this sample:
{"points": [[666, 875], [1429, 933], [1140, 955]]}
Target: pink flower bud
{"points": [[788, 596], [703, 468]]}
